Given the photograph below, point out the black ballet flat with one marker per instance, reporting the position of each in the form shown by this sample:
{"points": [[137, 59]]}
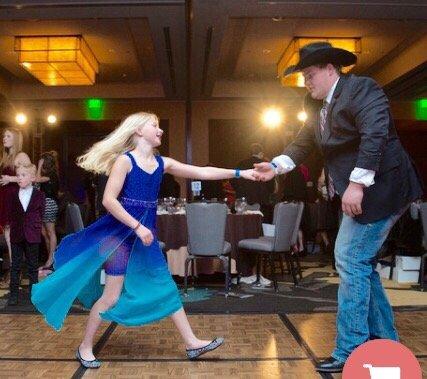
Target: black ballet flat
{"points": [[195, 353], [88, 364]]}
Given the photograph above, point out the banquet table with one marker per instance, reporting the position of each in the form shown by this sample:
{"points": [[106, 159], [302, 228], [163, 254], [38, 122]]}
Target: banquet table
{"points": [[172, 230]]}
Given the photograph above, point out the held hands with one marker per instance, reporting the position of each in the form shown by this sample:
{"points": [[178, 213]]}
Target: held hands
{"points": [[248, 174], [144, 234], [352, 199], [263, 171]]}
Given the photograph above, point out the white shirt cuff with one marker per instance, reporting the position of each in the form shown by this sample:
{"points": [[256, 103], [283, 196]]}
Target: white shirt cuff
{"points": [[284, 164], [362, 176]]}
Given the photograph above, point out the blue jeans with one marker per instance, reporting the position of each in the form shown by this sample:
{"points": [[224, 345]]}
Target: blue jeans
{"points": [[363, 308]]}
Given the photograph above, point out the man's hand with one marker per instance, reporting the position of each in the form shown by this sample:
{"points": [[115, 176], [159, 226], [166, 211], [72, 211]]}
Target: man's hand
{"points": [[264, 171], [352, 199]]}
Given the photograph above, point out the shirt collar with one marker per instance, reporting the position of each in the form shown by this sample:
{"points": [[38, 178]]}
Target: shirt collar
{"points": [[26, 190], [328, 98]]}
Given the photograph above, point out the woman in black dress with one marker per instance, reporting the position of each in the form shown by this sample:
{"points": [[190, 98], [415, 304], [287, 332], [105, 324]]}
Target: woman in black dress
{"points": [[47, 176]]}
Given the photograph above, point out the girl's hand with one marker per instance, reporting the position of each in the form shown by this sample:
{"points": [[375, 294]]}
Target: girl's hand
{"points": [[5, 179], [145, 235], [249, 174], [41, 161]]}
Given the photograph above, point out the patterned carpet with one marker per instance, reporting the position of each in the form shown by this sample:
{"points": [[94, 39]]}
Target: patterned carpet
{"points": [[317, 292]]}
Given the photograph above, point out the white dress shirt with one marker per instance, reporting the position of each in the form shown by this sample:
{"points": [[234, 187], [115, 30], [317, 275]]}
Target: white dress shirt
{"points": [[25, 196], [359, 175]]}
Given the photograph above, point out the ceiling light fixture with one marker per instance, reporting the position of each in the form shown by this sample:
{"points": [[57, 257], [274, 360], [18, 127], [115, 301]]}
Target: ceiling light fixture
{"points": [[57, 60]]}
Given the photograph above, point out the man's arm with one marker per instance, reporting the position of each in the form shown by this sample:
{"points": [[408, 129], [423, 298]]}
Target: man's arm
{"points": [[299, 149], [370, 108], [294, 154]]}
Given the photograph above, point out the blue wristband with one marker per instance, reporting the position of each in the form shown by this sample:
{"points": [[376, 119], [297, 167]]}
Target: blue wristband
{"points": [[274, 165], [237, 173]]}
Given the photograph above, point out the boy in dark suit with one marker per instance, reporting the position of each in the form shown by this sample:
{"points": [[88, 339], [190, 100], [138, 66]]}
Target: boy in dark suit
{"points": [[26, 211]]}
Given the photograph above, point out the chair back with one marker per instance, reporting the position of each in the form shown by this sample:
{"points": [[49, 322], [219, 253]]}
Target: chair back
{"points": [[423, 212], [294, 238], [206, 228], [73, 219], [276, 207], [286, 218]]}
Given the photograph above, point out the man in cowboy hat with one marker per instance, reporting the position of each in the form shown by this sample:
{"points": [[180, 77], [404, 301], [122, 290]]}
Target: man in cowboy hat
{"points": [[349, 120]]}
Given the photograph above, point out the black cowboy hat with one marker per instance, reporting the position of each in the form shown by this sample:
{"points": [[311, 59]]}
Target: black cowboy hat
{"points": [[321, 52]]}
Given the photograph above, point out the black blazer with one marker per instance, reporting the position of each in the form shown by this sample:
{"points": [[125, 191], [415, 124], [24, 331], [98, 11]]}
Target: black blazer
{"points": [[360, 132]]}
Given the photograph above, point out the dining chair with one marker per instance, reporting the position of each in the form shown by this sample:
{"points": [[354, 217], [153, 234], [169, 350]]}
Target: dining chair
{"points": [[287, 217], [206, 237], [73, 219]]}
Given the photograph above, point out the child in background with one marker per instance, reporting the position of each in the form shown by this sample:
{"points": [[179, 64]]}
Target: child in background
{"points": [[26, 210]]}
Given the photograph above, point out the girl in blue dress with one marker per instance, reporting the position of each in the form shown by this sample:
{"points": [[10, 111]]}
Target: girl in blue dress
{"points": [[138, 286]]}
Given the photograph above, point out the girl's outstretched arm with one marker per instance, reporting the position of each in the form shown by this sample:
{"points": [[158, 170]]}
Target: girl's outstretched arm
{"points": [[204, 173]]}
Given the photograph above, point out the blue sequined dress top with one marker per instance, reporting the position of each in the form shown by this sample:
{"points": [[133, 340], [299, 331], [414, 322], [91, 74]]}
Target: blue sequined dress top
{"points": [[149, 292]]}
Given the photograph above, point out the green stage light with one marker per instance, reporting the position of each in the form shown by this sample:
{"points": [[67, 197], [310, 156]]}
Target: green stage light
{"points": [[421, 109], [95, 109]]}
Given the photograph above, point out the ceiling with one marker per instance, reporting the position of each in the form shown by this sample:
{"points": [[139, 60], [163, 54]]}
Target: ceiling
{"points": [[235, 46]]}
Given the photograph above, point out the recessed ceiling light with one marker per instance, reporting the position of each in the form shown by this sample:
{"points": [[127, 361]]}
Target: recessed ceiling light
{"points": [[278, 18], [266, 51]]}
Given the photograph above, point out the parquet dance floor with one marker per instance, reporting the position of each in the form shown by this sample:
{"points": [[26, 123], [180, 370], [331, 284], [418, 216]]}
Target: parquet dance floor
{"points": [[257, 346]]}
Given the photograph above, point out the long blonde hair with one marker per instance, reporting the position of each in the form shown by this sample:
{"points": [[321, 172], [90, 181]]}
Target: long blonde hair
{"points": [[102, 155], [9, 154]]}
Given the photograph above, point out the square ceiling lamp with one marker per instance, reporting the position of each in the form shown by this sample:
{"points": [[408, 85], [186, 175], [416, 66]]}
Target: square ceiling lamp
{"points": [[57, 60], [291, 56]]}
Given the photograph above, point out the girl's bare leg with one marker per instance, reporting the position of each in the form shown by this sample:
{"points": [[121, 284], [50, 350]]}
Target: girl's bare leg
{"points": [[51, 235], [181, 322], [112, 291], [300, 240], [46, 240], [325, 238]]}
